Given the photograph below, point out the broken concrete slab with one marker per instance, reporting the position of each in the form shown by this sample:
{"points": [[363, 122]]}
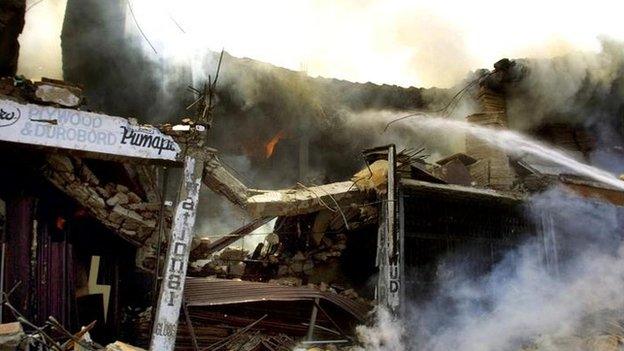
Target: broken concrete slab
{"points": [[59, 94], [284, 202], [303, 200], [121, 346]]}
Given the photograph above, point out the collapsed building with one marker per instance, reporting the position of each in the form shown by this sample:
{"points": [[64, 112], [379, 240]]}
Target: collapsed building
{"points": [[86, 220], [86, 223]]}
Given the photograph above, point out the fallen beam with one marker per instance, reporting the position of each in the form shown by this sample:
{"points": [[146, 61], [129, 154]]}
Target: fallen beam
{"points": [[289, 202], [239, 233], [224, 183], [284, 202]]}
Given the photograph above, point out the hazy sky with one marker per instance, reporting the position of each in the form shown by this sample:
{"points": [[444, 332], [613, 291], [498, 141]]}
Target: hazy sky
{"points": [[421, 43]]}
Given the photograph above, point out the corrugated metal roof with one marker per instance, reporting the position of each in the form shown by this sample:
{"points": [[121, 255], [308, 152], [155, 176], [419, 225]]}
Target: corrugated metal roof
{"points": [[214, 292]]}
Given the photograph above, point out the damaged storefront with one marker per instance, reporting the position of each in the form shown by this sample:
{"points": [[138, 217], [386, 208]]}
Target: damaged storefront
{"points": [[86, 222], [101, 251]]}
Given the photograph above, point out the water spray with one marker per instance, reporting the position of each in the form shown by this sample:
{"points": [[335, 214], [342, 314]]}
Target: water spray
{"points": [[518, 145]]}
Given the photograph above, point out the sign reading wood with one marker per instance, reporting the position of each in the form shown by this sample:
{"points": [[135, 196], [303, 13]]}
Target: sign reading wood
{"points": [[172, 288], [83, 131]]}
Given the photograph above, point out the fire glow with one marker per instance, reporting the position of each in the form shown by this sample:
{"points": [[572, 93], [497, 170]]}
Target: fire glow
{"points": [[269, 148]]}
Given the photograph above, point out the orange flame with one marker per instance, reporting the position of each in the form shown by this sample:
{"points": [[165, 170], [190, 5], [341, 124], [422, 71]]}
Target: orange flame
{"points": [[269, 148], [60, 223]]}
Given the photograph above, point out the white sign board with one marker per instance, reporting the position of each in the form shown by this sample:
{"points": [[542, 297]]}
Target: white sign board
{"points": [[83, 131], [172, 288]]}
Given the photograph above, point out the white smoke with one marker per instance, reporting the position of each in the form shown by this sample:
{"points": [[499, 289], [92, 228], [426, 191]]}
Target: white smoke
{"points": [[516, 144], [385, 335], [521, 304], [40, 41]]}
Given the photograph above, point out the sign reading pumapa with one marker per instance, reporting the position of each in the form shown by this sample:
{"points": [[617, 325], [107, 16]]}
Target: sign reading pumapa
{"points": [[84, 131]]}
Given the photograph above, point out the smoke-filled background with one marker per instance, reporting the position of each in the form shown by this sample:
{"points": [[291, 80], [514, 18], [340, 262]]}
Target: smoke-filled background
{"points": [[560, 290], [136, 58], [579, 88], [408, 43]]}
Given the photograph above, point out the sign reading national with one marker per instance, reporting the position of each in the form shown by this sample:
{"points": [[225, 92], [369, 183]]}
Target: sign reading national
{"points": [[84, 131]]}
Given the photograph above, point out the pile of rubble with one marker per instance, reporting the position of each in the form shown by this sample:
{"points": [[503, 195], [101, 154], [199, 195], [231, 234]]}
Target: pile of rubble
{"points": [[115, 205], [131, 209], [25, 335], [304, 262], [274, 263]]}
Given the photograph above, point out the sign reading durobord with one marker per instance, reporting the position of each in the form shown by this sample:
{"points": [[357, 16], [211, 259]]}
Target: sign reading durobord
{"points": [[84, 131]]}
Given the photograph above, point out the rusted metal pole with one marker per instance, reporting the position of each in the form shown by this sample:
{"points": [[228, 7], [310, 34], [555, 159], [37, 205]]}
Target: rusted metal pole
{"points": [[174, 275], [161, 228], [189, 325]]}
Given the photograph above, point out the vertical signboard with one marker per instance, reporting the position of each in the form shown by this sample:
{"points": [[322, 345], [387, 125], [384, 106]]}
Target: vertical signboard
{"points": [[389, 281], [174, 273]]}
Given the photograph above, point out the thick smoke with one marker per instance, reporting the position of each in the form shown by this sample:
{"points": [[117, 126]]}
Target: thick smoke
{"points": [[337, 120], [582, 88], [40, 52], [573, 303], [257, 101]]}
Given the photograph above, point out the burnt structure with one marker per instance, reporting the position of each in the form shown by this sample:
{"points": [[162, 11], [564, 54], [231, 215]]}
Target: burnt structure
{"points": [[84, 232]]}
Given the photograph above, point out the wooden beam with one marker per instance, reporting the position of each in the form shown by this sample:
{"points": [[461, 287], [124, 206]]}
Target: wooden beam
{"points": [[239, 233]]}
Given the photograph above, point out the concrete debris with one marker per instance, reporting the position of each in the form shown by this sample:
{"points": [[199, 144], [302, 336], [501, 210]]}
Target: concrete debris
{"points": [[317, 266], [115, 205], [229, 254], [199, 249], [374, 177], [272, 203], [11, 335], [119, 198], [121, 346], [57, 92], [303, 200], [221, 181]]}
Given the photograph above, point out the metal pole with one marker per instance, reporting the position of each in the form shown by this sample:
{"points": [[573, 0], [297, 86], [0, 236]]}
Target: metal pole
{"points": [[161, 225], [388, 289], [393, 237], [312, 319], [3, 239], [2, 274], [189, 325], [401, 256], [172, 288]]}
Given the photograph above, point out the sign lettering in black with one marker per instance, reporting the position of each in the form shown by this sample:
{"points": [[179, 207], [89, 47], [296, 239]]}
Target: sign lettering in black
{"points": [[8, 116], [147, 140]]}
